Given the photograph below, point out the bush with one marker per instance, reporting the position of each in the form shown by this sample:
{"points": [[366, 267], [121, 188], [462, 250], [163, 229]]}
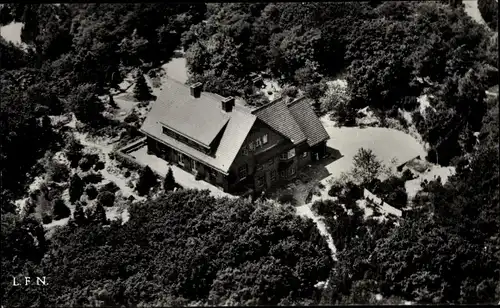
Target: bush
{"points": [[92, 178], [335, 190], [60, 210], [99, 166], [287, 197], [91, 192], [354, 192], [407, 175], [74, 152], [131, 118], [46, 218], [147, 180], [111, 187], [57, 172], [85, 164], [106, 198], [76, 188], [127, 174]]}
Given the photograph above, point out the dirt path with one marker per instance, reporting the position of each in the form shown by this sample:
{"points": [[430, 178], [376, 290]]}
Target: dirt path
{"points": [[305, 210]]}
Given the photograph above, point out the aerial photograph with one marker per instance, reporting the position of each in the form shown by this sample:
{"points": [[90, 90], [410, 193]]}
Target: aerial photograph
{"points": [[174, 154]]}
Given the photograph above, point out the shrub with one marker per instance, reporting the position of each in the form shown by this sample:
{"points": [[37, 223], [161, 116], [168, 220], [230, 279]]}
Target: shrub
{"points": [[106, 198], [46, 218], [111, 187], [169, 181], [287, 197], [99, 166], [74, 152], [79, 215], [127, 174], [321, 185], [92, 178], [354, 192], [60, 210], [76, 188], [335, 190], [91, 192], [147, 180], [57, 172], [85, 164], [131, 118], [407, 175]]}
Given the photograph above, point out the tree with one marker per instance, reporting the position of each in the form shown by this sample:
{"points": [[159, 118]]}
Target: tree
{"points": [[79, 214], [489, 12], [169, 183], [98, 214], [366, 166], [147, 180], [257, 253], [60, 210], [76, 188], [142, 92], [86, 105], [106, 198]]}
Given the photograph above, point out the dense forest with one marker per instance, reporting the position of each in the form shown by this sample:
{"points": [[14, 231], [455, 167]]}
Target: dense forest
{"points": [[186, 247]]}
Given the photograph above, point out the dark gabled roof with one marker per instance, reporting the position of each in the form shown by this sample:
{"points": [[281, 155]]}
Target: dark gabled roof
{"points": [[308, 121], [277, 115], [200, 119]]}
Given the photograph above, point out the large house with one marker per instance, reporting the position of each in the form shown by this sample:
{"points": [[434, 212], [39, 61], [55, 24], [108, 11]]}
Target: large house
{"points": [[228, 145]]}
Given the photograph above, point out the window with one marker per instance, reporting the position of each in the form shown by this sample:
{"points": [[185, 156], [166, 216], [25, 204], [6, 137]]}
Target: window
{"points": [[181, 159], [264, 139], [292, 171], [288, 155], [283, 174], [258, 143], [260, 181], [251, 146], [242, 171], [273, 176], [270, 162], [244, 151], [304, 155], [260, 167]]}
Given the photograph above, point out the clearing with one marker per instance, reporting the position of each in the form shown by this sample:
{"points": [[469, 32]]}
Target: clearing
{"points": [[471, 9], [12, 33]]}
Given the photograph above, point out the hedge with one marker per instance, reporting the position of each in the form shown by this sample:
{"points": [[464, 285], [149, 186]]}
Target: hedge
{"points": [[489, 12]]}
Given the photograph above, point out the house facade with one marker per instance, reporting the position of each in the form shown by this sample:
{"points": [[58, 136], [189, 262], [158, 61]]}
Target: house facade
{"points": [[237, 149]]}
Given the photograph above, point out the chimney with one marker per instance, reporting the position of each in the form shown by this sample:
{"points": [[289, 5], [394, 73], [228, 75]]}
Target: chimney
{"points": [[196, 89], [228, 104]]}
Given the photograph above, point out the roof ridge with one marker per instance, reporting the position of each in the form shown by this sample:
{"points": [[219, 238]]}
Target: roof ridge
{"points": [[276, 100], [204, 93], [296, 100]]}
